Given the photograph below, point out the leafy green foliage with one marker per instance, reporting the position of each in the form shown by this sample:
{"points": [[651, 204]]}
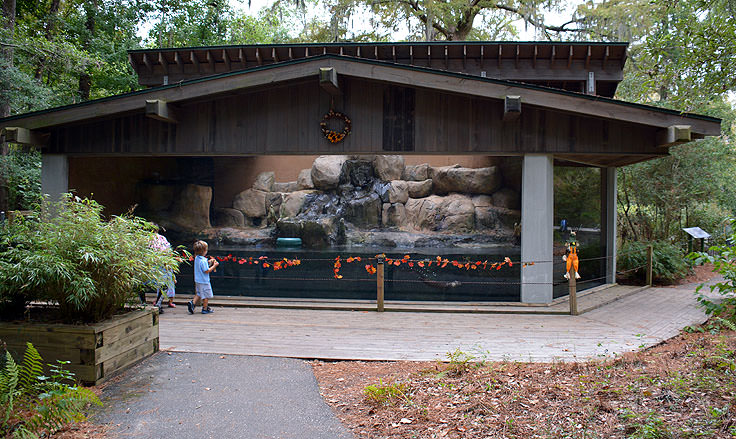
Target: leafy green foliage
{"points": [[22, 171], [387, 394], [668, 262], [69, 255], [51, 401], [724, 263]]}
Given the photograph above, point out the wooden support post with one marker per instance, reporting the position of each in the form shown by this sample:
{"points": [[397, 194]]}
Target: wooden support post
{"points": [[650, 261], [573, 292], [379, 284]]}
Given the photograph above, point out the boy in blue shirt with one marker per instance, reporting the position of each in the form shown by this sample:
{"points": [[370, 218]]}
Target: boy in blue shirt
{"points": [[202, 269]]}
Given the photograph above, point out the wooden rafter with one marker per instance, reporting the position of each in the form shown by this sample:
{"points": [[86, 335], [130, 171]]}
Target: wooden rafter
{"points": [[274, 55], [500, 53], [147, 62], [552, 57], [258, 57], [226, 59], [605, 58], [328, 80], [516, 59], [569, 57], [587, 57], [211, 61], [241, 57], [195, 61], [25, 136], [534, 57], [164, 63], [179, 62]]}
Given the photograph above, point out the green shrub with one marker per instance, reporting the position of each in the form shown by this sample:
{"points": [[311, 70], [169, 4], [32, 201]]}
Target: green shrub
{"points": [[668, 261], [67, 254], [37, 405]]}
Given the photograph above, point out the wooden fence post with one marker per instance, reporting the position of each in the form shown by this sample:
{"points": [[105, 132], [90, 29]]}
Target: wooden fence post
{"points": [[379, 284], [573, 292], [650, 262]]}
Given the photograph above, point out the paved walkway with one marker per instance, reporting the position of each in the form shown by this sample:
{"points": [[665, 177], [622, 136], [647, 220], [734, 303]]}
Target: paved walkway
{"points": [[203, 396], [638, 320]]}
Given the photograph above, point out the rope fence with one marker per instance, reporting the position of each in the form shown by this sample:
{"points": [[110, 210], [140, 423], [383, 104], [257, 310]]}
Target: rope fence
{"points": [[376, 268]]}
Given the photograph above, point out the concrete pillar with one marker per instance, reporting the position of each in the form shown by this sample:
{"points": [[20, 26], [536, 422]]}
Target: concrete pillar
{"points": [[608, 232], [537, 218], [54, 175]]}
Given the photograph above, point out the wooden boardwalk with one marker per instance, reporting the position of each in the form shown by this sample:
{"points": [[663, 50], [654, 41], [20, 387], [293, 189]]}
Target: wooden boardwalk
{"points": [[638, 318]]}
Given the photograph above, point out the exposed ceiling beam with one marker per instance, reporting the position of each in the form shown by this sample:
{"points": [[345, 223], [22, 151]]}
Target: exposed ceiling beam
{"points": [[160, 110], [511, 108], [674, 135], [23, 136], [147, 62], [328, 80]]}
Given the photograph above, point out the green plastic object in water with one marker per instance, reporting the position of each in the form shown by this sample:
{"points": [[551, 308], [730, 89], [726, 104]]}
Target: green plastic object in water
{"points": [[288, 242]]}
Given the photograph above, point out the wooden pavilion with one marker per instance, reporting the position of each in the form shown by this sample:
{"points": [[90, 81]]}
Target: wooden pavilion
{"points": [[549, 103]]}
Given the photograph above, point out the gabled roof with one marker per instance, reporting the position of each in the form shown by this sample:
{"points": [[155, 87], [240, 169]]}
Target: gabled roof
{"points": [[564, 65], [413, 76]]}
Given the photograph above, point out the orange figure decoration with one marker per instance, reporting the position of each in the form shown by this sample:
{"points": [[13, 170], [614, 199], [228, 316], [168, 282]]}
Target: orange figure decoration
{"points": [[571, 257]]}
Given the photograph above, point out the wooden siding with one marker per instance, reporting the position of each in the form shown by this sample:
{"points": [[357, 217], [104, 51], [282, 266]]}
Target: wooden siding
{"points": [[285, 120]]}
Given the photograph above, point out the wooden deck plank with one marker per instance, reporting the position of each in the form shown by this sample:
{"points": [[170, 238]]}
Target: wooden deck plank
{"points": [[636, 319]]}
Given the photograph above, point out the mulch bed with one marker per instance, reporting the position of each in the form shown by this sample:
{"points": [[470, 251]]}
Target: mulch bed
{"points": [[681, 388]]}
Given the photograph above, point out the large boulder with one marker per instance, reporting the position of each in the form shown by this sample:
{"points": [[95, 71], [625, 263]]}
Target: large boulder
{"points": [[288, 228], [389, 167], [290, 186], [419, 189], [191, 207], [432, 171], [293, 203], [318, 233], [466, 180], [264, 181], [482, 201], [394, 215], [304, 180], [251, 202], [227, 217], [497, 218], [364, 211], [454, 213], [398, 192], [156, 197], [359, 172], [507, 198], [326, 171], [416, 172]]}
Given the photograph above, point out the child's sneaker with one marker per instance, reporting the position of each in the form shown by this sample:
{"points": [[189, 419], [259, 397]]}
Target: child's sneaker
{"points": [[190, 307], [172, 305], [210, 309], [206, 311]]}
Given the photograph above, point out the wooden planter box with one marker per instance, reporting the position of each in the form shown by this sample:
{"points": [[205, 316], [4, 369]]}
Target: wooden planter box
{"points": [[96, 352]]}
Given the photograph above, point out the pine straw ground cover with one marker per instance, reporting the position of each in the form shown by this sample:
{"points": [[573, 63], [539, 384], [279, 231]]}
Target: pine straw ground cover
{"points": [[683, 388]]}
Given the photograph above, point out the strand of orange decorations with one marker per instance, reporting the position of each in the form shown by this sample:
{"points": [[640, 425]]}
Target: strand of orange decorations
{"points": [[427, 263], [263, 261]]}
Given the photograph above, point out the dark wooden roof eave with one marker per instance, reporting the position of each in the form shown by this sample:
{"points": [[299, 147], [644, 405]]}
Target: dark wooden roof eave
{"points": [[375, 70]]}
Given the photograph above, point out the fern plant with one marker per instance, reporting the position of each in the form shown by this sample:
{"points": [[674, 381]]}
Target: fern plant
{"points": [[51, 401]]}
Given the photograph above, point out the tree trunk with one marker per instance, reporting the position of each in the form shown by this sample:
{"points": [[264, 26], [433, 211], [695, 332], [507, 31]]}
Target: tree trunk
{"points": [[85, 80], [48, 33], [7, 62]]}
